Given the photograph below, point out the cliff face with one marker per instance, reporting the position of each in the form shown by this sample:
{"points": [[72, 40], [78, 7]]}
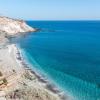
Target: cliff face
{"points": [[13, 26]]}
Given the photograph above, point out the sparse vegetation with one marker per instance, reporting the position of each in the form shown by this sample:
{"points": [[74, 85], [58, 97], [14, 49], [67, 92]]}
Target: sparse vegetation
{"points": [[14, 71], [0, 73], [5, 81], [28, 76]]}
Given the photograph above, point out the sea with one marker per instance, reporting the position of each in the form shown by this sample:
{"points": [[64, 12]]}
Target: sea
{"points": [[67, 53]]}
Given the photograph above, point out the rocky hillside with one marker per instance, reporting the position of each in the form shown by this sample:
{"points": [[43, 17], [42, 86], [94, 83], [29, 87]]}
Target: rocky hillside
{"points": [[13, 26]]}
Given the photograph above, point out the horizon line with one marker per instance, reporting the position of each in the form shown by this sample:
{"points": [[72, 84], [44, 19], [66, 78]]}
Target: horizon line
{"points": [[65, 20]]}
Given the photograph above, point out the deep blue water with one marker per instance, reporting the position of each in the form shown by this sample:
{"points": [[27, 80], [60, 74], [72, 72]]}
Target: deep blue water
{"points": [[69, 53]]}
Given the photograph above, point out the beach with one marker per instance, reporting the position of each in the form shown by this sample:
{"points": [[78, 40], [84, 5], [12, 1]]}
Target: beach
{"points": [[21, 82]]}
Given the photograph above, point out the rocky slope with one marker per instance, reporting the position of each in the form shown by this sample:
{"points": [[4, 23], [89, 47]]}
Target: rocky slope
{"points": [[13, 26]]}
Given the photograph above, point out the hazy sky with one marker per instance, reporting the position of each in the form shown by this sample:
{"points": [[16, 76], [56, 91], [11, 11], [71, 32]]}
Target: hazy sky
{"points": [[51, 9]]}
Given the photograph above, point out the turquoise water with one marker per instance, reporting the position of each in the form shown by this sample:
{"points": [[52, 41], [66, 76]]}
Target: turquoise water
{"points": [[69, 53]]}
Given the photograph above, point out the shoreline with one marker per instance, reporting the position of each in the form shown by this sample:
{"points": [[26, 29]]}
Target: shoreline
{"points": [[21, 75], [45, 82]]}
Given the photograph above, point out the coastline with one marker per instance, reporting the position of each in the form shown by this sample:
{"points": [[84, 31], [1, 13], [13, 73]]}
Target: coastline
{"points": [[18, 81], [46, 83], [24, 76]]}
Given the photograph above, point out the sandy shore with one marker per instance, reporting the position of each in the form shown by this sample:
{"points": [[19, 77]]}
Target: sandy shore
{"points": [[19, 82]]}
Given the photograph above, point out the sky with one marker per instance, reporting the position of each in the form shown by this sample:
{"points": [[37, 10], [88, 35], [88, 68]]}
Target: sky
{"points": [[51, 9]]}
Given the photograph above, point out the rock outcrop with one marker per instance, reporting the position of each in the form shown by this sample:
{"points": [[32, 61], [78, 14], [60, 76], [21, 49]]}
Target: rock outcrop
{"points": [[13, 26]]}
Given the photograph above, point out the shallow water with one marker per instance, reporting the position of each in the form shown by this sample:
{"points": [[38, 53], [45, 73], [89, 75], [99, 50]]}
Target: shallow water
{"points": [[69, 53]]}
